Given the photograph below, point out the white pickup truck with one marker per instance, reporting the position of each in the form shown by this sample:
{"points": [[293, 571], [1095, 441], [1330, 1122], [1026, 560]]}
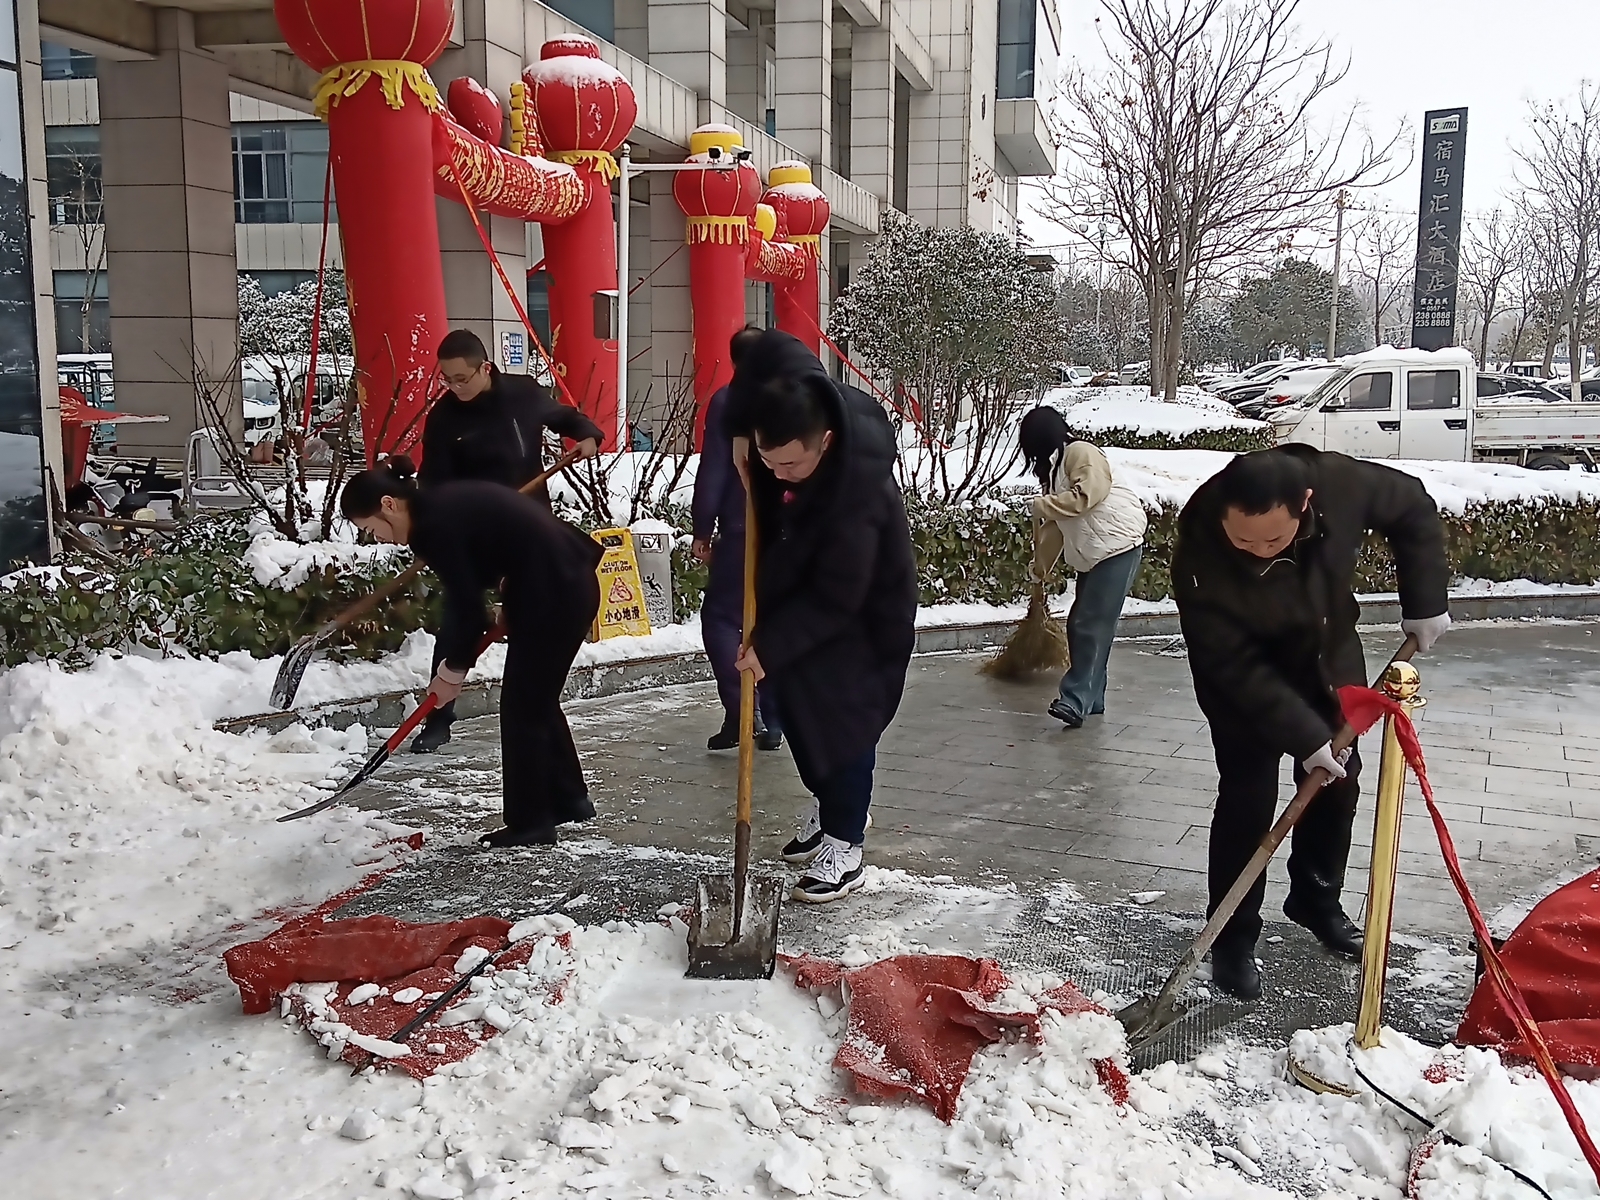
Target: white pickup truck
{"points": [[1390, 403]]}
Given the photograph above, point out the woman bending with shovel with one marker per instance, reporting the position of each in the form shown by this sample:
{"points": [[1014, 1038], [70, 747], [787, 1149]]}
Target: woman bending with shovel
{"points": [[476, 535]]}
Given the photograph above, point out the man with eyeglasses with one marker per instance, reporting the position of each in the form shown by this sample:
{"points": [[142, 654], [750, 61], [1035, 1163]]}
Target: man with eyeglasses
{"points": [[488, 426]]}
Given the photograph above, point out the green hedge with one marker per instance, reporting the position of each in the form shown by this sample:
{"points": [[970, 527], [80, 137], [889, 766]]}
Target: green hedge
{"points": [[1234, 441], [195, 594]]}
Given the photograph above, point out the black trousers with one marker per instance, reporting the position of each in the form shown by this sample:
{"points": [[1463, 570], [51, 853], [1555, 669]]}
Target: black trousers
{"points": [[1247, 802], [541, 777]]}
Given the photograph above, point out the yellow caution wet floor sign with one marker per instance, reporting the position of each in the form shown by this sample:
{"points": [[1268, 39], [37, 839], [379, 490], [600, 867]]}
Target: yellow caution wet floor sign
{"points": [[622, 596]]}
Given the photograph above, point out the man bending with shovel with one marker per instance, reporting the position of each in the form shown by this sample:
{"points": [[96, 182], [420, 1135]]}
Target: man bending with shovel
{"points": [[1263, 576], [836, 589]]}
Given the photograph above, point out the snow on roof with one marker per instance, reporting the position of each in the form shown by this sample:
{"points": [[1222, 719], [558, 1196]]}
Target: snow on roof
{"points": [[715, 127], [573, 70], [1452, 357], [795, 163]]}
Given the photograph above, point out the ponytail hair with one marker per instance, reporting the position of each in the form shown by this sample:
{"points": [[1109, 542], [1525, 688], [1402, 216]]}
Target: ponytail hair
{"points": [[1043, 435], [363, 494]]}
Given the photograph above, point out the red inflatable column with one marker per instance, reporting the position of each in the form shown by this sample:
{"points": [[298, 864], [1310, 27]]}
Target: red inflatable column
{"points": [[379, 105], [585, 109], [803, 210], [719, 202]]}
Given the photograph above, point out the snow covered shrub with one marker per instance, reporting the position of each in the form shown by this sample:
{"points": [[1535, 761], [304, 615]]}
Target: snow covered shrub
{"points": [[1234, 441], [966, 333]]}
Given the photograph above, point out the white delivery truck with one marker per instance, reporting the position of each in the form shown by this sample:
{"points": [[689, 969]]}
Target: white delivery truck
{"points": [[1390, 403]]}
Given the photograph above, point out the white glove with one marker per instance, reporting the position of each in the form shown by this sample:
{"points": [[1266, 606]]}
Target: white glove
{"points": [[1427, 630], [1330, 762]]}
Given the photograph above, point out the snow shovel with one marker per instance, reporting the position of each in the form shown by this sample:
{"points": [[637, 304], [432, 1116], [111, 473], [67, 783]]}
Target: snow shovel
{"points": [[298, 657], [734, 931], [1148, 1016], [396, 739]]}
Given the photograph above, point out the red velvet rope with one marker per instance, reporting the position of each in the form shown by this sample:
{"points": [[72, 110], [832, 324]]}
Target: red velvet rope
{"points": [[1362, 708]]}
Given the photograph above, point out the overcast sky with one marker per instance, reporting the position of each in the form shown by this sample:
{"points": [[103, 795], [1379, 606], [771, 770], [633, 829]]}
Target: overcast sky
{"points": [[1408, 56]]}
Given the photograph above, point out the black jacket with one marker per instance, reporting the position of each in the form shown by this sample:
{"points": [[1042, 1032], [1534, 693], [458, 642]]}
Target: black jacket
{"points": [[837, 580], [497, 436], [476, 534], [1270, 641]]}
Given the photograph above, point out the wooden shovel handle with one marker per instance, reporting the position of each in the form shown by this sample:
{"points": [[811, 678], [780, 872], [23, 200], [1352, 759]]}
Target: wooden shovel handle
{"points": [[403, 580]]}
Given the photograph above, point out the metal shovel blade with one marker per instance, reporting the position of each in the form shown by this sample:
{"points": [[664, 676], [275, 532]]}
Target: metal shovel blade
{"points": [[716, 949], [292, 670]]}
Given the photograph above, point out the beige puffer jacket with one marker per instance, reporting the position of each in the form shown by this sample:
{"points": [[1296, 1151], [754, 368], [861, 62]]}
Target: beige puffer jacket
{"points": [[1088, 516]]}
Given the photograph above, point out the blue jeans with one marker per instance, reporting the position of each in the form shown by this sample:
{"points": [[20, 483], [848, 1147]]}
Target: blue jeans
{"points": [[1091, 628], [722, 629]]}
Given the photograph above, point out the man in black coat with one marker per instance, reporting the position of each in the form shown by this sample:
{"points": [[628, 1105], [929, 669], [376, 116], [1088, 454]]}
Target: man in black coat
{"points": [[1263, 576], [836, 589], [488, 426]]}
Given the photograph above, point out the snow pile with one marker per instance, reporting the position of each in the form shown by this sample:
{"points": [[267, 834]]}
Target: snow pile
{"points": [[277, 562], [1507, 1114], [1194, 410]]}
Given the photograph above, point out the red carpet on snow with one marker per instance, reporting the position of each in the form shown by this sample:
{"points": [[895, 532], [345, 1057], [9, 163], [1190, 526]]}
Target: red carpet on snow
{"points": [[916, 1021]]}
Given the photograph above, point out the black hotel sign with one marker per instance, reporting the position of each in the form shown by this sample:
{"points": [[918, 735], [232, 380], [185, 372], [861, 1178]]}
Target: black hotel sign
{"points": [[1433, 305]]}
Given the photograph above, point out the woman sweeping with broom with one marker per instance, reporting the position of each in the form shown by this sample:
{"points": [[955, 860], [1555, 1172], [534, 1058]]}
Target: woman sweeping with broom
{"points": [[475, 535], [1094, 524]]}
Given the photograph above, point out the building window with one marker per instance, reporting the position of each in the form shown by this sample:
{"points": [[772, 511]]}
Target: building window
{"points": [[275, 283], [83, 313], [841, 126], [770, 91], [1014, 72], [538, 313], [72, 172], [599, 17], [278, 173], [902, 143], [63, 62]]}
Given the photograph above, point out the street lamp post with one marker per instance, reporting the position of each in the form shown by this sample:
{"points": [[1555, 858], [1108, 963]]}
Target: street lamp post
{"points": [[627, 169]]}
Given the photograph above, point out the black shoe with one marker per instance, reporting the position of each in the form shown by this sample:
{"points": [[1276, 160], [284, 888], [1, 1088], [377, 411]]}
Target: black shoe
{"points": [[578, 809], [1065, 715], [1234, 971], [726, 738], [1330, 926], [434, 734], [533, 835], [769, 739]]}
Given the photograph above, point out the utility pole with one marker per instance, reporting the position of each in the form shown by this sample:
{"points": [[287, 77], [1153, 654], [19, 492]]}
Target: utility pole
{"points": [[1339, 203]]}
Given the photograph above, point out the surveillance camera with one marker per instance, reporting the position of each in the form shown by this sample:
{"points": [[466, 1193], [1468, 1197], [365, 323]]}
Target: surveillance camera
{"points": [[714, 153], [745, 155]]}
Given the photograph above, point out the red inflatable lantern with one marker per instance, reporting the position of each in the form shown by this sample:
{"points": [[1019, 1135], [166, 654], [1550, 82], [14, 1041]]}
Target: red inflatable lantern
{"points": [[584, 109], [803, 211], [719, 202], [380, 104]]}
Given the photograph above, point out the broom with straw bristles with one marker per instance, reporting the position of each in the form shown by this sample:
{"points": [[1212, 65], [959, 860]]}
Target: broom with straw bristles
{"points": [[1039, 643]]}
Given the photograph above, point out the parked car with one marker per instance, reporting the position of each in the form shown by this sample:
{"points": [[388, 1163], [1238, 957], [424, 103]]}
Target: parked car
{"points": [[1076, 376], [1258, 387], [1493, 385], [1129, 375], [1301, 381], [1221, 382]]}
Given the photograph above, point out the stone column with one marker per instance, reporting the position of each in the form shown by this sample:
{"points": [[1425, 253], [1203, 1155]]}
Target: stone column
{"points": [[167, 165], [671, 320], [492, 52], [805, 78], [746, 72], [872, 76], [688, 42]]}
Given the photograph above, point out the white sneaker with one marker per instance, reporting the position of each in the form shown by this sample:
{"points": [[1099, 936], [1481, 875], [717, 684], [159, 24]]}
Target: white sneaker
{"points": [[835, 871], [803, 847]]}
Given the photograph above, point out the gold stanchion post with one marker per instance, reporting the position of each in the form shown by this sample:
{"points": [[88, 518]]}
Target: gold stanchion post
{"points": [[1400, 683]]}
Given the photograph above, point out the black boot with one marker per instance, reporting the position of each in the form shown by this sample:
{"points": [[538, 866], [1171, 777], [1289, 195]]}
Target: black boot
{"points": [[1234, 971], [534, 835], [1328, 924], [769, 739], [725, 738], [575, 810], [435, 733]]}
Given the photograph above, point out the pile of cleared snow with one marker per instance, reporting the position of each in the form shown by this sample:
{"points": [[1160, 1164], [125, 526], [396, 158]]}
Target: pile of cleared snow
{"points": [[1094, 410]]}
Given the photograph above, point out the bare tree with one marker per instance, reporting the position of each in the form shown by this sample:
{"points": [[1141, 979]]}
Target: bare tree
{"points": [[1383, 249], [1560, 172], [1197, 141], [1490, 256]]}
